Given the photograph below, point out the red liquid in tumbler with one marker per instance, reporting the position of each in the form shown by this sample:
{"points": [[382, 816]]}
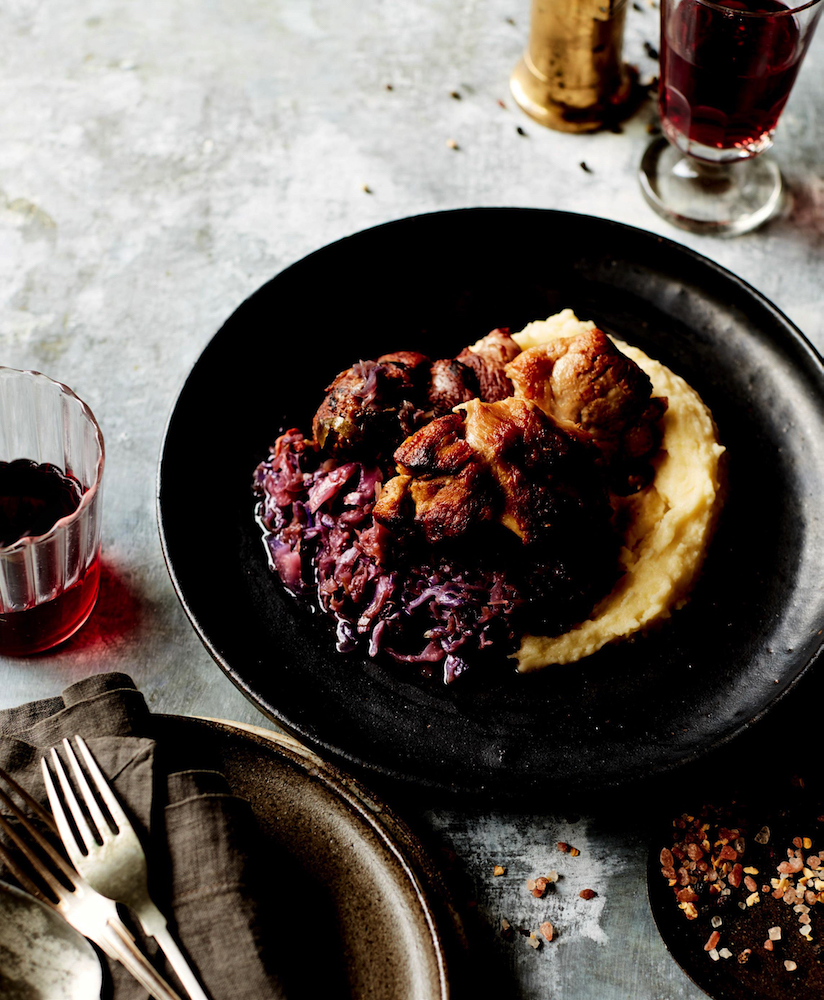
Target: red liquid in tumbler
{"points": [[725, 80], [32, 498]]}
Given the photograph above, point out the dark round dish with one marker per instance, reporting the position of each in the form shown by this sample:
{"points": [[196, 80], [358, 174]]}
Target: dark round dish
{"points": [[774, 808], [435, 283], [345, 863]]}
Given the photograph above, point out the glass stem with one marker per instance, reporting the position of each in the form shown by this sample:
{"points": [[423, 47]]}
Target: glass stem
{"points": [[709, 176]]}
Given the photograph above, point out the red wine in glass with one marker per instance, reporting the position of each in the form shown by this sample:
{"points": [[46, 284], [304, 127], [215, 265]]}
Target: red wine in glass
{"points": [[33, 497], [725, 79]]}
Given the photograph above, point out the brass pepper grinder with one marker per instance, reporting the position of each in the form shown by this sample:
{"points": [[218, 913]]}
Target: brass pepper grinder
{"points": [[571, 76]]}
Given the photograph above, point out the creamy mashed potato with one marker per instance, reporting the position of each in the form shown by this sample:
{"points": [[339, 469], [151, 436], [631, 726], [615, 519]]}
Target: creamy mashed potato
{"points": [[668, 524]]}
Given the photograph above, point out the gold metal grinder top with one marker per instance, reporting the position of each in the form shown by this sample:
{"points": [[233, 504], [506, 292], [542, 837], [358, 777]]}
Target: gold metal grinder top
{"points": [[571, 77]]}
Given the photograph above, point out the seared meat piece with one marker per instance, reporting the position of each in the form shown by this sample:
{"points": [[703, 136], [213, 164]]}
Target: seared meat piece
{"points": [[507, 461], [412, 360], [488, 358], [496, 347], [512, 491], [586, 381], [564, 549], [372, 406], [453, 506], [451, 382], [436, 448], [394, 508], [442, 486], [547, 475]]}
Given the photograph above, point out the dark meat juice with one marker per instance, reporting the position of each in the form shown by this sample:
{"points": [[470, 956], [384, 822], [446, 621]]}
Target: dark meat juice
{"points": [[725, 79], [32, 499]]}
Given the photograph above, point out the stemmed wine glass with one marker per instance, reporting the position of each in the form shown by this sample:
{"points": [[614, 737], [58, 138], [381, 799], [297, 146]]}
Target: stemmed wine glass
{"points": [[727, 69]]}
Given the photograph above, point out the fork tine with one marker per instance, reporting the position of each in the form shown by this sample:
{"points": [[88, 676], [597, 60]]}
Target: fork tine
{"points": [[102, 785], [67, 834], [55, 856], [24, 880], [103, 829], [28, 800], [84, 838], [36, 860]]}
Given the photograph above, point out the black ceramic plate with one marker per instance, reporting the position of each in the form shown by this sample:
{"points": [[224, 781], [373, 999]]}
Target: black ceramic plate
{"points": [[435, 283]]}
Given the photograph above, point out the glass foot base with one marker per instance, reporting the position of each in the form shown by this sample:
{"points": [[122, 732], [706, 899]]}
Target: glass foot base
{"points": [[724, 199]]}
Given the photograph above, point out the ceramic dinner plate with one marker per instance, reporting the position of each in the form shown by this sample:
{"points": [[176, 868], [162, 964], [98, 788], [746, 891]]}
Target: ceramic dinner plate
{"points": [[435, 283], [361, 906]]}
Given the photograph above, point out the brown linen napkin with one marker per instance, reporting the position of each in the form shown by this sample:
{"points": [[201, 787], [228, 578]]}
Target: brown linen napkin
{"points": [[203, 842], [208, 831]]}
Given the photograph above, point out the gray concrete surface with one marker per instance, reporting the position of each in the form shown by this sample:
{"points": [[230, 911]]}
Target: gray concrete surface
{"points": [[159, 161]]}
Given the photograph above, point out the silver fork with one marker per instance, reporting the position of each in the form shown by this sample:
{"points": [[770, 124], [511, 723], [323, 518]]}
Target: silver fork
{"points": [[44, 872], [112, 861]]}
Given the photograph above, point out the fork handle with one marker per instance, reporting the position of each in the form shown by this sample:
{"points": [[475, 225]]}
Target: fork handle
{"points": [[122, 946], [178, 962]]}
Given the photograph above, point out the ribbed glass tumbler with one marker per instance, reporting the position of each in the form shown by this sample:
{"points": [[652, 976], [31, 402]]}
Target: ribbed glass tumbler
{"points": [[51, 463]]}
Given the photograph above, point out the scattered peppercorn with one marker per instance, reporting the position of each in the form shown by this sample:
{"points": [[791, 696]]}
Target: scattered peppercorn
{"points": [[586, 167]]}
